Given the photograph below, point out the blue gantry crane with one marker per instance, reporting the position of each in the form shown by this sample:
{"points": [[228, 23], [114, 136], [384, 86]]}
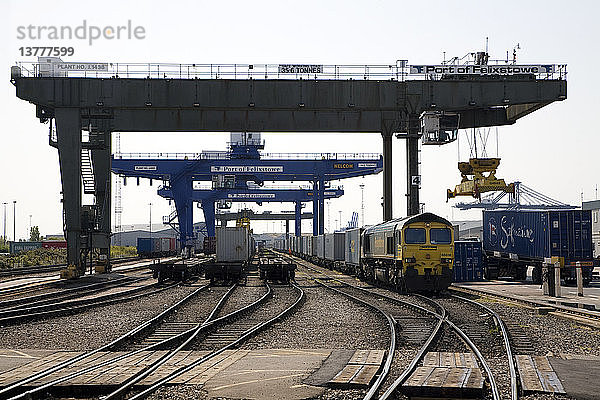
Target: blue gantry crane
{"points": [[240, 172], [209, 197]]}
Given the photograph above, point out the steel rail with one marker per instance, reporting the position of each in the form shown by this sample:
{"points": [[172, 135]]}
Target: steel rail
{"points": [[151, 347], [391, 348], [115, 343], [511, 363], [472, 346], [593, 316], [42, 269], [145, 325], [162, 360], [442, 315], [52, 310], [391, 323], [65, 293], [245, 335]]}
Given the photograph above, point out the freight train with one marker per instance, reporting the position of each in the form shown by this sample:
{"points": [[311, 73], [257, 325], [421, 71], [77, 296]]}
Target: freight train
{"points": [[514, 240], [411, 254]]}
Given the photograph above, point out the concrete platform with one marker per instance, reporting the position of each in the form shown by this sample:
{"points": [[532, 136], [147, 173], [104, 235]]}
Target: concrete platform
{"points": [[250, 374], [530, 292]]}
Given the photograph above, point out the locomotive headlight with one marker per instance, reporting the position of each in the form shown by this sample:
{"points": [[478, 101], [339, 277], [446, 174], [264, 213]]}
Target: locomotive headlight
{"points": [[446, 260], [409, 260]]}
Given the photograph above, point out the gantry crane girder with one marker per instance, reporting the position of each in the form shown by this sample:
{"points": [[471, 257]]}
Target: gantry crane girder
{"points": [[161, 103], [208, 198]]}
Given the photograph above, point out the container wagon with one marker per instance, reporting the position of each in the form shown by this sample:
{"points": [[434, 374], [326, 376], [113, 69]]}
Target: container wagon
{"points": [[514, 240], [234, 248]]}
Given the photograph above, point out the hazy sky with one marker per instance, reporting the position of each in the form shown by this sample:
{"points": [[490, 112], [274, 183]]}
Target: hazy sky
{"points": [[552, 150]]}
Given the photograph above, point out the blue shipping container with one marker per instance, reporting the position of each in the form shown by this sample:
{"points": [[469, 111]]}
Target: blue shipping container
{"points": [[468, 261], [147, 246], [536, 235]]}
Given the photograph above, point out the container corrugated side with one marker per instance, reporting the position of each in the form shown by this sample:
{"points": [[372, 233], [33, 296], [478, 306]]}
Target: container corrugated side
{"points": [[320, 244], [232, 244], [536, 235], [468, 261], [352, 246], [522, 233], [338, 246], [314, 252], [329, 243]]}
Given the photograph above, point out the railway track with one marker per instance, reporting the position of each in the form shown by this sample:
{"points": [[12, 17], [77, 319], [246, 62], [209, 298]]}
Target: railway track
{"points": [[53, 307], [41, 269], [160, 333], [35, 283], [443, 317], [55, 375], [77, 299], [581, 316]]}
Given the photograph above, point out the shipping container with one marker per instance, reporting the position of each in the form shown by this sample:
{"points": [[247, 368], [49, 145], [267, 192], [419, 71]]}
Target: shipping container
{"points": [[352, 247], [530, 237], [314, 247], [319, 243], [17, 247], [148, 247], [468, 261], [233, 244], [165, 244], [334, 246], [307, 250], [54, 244], [536, 235]]}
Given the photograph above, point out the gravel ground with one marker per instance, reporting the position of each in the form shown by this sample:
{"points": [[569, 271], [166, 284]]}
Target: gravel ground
{"points": [[282, 298], [92, 328], [550, 335], [200, 307], [244, 295], [323, 321]]}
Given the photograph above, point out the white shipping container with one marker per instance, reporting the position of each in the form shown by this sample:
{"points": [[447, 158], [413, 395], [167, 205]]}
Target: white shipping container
{"points": [[233, 244]]}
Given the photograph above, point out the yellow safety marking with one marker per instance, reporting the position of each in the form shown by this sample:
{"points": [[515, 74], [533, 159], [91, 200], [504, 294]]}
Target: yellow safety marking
{"points": [[252, 371], [299, 386], [255, 381], [20, 354], [285, 352]]}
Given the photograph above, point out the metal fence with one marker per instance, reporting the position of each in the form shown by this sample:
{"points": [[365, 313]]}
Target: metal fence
{"points": [[398, 71]]}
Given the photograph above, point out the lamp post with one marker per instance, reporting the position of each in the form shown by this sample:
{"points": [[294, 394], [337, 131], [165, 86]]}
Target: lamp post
{"points": [[340, 211], [362, 203], [4, 235], [14, 220], [30, 226], [150, 204]]}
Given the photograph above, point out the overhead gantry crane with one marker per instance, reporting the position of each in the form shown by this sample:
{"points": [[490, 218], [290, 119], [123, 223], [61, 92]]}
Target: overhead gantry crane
{"points": [[101, 98], [232, 171]]}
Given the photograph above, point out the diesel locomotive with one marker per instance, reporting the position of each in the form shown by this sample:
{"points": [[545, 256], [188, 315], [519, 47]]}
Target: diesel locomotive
{"points": [[411, 254]]}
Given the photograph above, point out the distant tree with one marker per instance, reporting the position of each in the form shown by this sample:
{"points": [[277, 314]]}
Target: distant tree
{"points": [[34, 234]]}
